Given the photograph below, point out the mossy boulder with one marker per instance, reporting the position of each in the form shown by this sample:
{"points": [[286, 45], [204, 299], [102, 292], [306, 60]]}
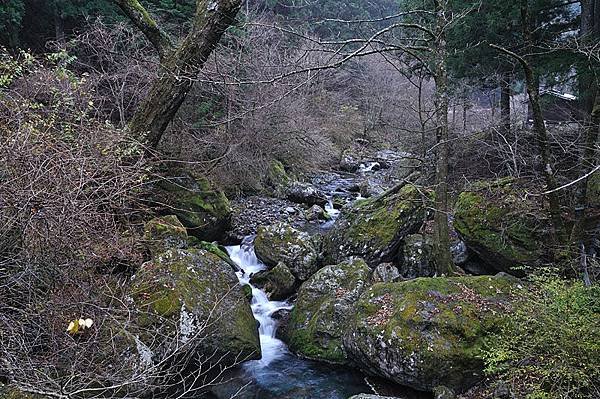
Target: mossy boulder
{"points": [[417, 257], [278, 282], [374, 228], [324, 307], [282, 243], [164, 233], [502, 225], [277, 179], [193, 294], [428, 332], [201, 208]]}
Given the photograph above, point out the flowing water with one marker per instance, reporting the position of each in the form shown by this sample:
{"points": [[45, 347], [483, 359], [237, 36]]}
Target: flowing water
{"points": [[279, 373]]}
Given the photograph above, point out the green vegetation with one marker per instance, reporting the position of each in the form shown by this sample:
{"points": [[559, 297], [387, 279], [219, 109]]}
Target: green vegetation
{"points": [[550, 346]]}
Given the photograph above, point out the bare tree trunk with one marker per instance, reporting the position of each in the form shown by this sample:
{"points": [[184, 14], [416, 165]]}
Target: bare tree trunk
{"points": [[180, 66], [505, 105], [588, 162], [441, 242]]}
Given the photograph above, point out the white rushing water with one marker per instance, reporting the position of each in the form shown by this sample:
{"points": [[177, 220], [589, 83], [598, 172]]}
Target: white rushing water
{"points": [[262, 308]]}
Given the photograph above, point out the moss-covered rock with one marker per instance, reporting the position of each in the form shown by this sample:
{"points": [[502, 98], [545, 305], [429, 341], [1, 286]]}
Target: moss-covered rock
{"points": [[193, 294], [204, 210], [164, 233], [278, 282], [428, 332], [324, 306], [374, 229], [417, 258], [501, 224], [282, 243], [277, 179]]}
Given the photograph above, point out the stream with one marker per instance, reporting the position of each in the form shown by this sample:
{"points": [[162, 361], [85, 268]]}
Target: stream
{"points": [[279, 373]]}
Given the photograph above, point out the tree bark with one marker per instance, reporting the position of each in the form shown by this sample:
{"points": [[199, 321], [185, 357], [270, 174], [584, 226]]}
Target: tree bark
{"points": [[441, 242], [505, 91], [180, 66], [588, 162]]}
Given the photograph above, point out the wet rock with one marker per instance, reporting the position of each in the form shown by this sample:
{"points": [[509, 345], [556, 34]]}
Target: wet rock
{"points": [[370, 188], [373, 229], [386, 273], [417, 257], [349, 163], [502, 225], [278, 282], [182, 292], [324, 306], [427, 332], [164, 233], [202, 209], [283, 319], [305, 193], [316, 213], [282, 243]]}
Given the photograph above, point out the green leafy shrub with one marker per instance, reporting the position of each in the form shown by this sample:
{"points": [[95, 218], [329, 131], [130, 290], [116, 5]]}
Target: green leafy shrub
{"points": [[550, 347]]}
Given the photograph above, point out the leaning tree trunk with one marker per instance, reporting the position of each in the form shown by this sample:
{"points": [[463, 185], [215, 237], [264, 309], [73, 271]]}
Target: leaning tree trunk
{"points": [[179, 67], [443, 259]]}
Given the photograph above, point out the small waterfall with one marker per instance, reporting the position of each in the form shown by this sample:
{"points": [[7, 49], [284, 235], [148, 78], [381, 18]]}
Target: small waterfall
{"points": [[262, 308]]}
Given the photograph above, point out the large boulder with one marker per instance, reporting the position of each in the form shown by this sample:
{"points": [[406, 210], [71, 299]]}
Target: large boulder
{"points": [[417, 257], [502, 225], [282, 243], [204, 210], [164, 233], [324, 307], [428, 332], [278, 282], [374, 229], [185, 295], [305, 193]]}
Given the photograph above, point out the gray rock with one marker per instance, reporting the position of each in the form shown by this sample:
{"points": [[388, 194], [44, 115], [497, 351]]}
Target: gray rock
{"points": [[386, 273], [177, 294], [283, 243], [426, 332], [459, 251], [417, 259], [316, 213], [324, 306], [349, 163], [373, 229], [278, 282], [305, 193]]}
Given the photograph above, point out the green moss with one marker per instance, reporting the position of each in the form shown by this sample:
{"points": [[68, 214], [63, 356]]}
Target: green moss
{"points": [[373, 227], [204, 210], [319, 318], [436, 325], [500, 225]]}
